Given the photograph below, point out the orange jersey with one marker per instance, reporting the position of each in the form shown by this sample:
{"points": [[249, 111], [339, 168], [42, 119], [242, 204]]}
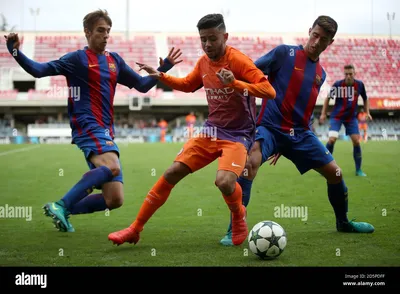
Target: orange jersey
{"points": [[163, 125], [231, 108], [362, 118], [190, 120]]}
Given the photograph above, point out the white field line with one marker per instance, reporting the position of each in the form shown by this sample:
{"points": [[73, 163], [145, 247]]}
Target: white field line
{"points": [[19, 150]]}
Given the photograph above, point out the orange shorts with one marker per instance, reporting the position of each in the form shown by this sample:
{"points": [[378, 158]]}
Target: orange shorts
{"points": [[363, 126], [199, 152]]}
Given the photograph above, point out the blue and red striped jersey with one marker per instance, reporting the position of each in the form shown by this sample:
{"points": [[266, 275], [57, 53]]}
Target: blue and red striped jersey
{"points": [[297, 81], [92, 80], [346, 99], [94, 77]]}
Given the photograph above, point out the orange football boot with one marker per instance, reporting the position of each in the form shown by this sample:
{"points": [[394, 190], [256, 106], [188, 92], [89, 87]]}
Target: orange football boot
{"points": [[239, 227], [126, 235]]}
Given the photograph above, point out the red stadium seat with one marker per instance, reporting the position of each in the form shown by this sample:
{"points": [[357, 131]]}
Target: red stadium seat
{"points": [[376, 59]]}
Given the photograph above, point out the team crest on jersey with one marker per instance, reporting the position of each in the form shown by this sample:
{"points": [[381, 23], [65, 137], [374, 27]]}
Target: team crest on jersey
{"points": [[355, 93], [318, 80], [109, 143], [112, 67]]}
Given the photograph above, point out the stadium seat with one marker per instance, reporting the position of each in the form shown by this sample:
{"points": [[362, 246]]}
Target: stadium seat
{"points": [[374, 59]]}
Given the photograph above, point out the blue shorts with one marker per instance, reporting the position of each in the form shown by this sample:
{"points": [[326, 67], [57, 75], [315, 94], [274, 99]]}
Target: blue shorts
{"points": [[304, 149], [97, 141], [351, 127]]}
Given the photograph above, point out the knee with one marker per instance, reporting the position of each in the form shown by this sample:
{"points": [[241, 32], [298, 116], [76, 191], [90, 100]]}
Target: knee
{"points": [[253, 162], [225, 184], [251, 168], [335, 175], [171, 172], [356, 142], [114, 168], [115, 201], [176, 172], [109, 160]]}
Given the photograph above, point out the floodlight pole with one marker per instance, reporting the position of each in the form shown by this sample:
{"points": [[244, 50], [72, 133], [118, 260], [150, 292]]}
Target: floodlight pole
{"points": [[390, 18], [127, 20], [35, 13]]}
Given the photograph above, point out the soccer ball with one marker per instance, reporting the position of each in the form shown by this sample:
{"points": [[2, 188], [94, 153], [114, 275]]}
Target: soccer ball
{"points": [[267, 239]]}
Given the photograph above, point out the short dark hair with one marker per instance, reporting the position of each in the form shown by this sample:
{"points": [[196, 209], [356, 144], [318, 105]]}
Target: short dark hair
{"points": [[215, 20], [349, 66], [91, 18], [328, 24]]}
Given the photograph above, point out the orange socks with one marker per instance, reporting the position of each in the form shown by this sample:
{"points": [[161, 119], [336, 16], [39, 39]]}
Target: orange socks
{"points": [[160, 193], [234, 201], [154, 199]]}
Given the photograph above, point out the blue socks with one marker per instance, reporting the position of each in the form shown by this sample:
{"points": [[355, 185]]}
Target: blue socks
{"points": [[246, 190], [337, 194], [329, 147], [89, 204], [94, 178], [357, 156]]}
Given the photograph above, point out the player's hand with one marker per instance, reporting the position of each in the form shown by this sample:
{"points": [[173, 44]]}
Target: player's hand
{"points": [[369, 116], [172, 57], [150, 70], [274, 158], [13, 37], [322, 119], [225, 76]]}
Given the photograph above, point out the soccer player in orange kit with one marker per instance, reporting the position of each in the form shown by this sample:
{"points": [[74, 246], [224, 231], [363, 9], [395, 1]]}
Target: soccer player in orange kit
{"points": [[190, 121], [163, 125], [231, 81], [363, 124]]}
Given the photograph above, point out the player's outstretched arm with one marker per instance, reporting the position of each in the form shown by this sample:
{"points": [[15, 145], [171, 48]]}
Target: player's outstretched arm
{"points": [[36, 69], [187, 84], [131, 79]]}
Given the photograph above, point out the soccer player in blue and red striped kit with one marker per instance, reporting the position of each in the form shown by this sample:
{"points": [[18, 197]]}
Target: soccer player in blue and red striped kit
{"points": [[346, 93], [283, 124], [94, 72]]}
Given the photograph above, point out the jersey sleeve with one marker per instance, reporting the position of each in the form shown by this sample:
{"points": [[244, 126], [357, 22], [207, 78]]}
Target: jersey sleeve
{"points": [[190, 83], [363, 92], [131, 79], [244, 69], [249, 78], [323, 79], [63, 66], [273, 60], [66, 64]]}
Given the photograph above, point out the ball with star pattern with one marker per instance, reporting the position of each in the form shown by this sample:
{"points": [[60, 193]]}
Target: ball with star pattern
{"points": [[267, 239]]}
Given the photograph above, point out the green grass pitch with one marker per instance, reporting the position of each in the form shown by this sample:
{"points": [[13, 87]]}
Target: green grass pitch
{"points": [[187, 229]]}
